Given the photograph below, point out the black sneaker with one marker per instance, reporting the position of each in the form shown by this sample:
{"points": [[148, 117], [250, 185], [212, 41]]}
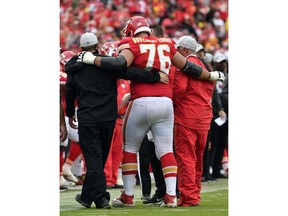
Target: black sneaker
{"points": [[63, 188], [145, 197], [219, 175], [204, 180], [154, 200], [104, 205], [85, 204], [209, 178]]}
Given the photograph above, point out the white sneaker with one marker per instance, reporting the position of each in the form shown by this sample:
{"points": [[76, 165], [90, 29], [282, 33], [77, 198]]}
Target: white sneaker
{"points": [[64, 182], [66, 170]]}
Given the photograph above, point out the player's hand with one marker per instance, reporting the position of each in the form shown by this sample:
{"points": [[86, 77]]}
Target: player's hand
{"points": [[72, 121], [217, 75], [86, 57], [164, 78]]}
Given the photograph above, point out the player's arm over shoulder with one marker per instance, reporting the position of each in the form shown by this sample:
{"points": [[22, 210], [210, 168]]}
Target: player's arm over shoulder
{"points": [[118, 63]]}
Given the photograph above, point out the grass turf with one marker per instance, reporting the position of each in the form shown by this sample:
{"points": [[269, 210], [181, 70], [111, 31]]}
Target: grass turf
{"points": [[214, 202]]}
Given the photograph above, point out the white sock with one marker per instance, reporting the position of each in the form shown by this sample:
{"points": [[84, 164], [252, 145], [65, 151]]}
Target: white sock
{"points": [[129, 181], [170, 185], [76, 167], [66, 167]]}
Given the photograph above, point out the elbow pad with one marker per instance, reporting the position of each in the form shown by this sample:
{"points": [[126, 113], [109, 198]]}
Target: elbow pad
{"points": [[115, 64], [192, 69]]}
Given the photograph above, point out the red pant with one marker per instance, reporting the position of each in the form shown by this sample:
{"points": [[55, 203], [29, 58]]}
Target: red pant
{"points": [[115, 155], [189, 148]]}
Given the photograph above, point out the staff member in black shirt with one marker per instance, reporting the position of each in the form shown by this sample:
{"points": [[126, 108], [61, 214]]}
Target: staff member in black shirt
{"points": [[96, 92]]}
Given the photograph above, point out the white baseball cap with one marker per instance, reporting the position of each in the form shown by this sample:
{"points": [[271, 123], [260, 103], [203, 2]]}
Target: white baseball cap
{"points": [[199, 47], [208, 57], [187, 42], [88, 39], [219, 57]]}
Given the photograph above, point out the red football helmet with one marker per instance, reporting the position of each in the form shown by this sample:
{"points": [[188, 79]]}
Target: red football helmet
{"points": [[105, 48], [136, 25], [109, 48], [66, 56]]}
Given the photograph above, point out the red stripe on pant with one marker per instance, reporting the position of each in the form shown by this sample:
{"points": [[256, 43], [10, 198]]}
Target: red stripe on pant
{"points": [[129, 163], [168, 160]]}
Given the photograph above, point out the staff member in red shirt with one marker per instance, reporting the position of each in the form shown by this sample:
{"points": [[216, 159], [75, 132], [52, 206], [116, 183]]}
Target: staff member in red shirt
{"points": [[192, 113]]}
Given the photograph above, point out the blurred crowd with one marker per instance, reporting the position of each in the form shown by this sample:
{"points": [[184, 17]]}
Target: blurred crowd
{"points": [[205, 20]]}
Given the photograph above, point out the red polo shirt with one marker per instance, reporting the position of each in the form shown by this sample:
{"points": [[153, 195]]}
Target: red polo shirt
{"points": [[192, 99]]}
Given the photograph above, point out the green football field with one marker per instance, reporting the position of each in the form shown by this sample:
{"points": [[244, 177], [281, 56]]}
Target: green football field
{"points": [[214, 203]]}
